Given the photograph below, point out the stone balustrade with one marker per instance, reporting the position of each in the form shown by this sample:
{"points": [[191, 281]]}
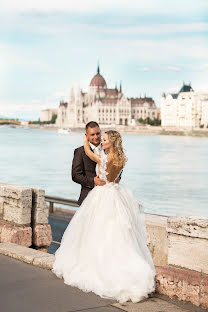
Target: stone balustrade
{"points": [[24, 217], [179, 247]]}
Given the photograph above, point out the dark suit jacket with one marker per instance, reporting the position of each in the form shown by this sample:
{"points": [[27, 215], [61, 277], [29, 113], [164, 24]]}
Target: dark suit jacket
{"points": [[83, 172]]}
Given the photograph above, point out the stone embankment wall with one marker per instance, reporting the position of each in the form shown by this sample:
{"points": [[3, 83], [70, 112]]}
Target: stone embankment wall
{"points": [[24, 217], [179, 247]]}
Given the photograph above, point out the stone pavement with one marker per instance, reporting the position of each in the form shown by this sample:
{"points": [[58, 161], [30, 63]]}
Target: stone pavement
{"points": [[27, 288]]}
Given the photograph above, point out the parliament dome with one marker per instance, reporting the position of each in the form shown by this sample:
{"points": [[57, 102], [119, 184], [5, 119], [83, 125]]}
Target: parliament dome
{"points": [[98, 80]]}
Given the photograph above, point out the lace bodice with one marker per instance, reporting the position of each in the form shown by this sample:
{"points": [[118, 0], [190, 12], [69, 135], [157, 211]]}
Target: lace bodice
{"points": [[107, 171]]}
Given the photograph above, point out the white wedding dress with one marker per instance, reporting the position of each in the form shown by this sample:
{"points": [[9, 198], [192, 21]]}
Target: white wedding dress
{"points": [[104, 249]]}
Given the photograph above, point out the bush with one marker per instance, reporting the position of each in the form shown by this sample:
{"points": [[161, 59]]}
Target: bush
{"points": [[38, 122], [149, 121]]}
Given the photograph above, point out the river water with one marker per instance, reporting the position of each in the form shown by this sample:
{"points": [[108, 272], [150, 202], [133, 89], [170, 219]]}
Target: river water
{"points": [[167, 174]]}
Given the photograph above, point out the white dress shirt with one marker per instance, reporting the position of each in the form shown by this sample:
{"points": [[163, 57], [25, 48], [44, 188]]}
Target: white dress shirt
{"points": [[96, 149]]}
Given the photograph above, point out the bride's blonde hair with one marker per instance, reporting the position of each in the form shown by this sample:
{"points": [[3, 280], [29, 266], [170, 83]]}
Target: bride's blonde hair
{"points": [[119, 157]]}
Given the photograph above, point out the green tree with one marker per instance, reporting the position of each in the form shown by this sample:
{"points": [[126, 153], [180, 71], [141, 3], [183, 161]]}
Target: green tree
{"points": [[53, 119], [141, 120]]}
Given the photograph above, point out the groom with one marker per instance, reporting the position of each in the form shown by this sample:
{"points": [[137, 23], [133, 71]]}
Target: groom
{"points": [[83, 168]]}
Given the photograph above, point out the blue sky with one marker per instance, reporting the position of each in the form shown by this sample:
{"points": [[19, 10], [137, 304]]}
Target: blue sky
{"points": [[46, 47]]}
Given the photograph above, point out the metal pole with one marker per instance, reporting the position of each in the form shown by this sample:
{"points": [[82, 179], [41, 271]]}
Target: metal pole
{"points": [[51, 207]]}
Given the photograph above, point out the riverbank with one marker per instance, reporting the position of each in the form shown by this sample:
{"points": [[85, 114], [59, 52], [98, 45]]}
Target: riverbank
{"points": [[148, 130]]}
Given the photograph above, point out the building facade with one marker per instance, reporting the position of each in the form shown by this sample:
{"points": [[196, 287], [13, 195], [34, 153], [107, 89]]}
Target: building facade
{"points": [[104, 105], [47, 114], [186, 109]]}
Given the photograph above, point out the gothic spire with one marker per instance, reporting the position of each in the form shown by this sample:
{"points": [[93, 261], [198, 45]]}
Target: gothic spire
{"points": [[98, 69], [71, 95]]}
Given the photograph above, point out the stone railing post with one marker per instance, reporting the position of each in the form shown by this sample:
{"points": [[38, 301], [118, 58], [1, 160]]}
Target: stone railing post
{"points": [[15, 214], [42, 236], [188, 243], [186, 275], [24, 216]]}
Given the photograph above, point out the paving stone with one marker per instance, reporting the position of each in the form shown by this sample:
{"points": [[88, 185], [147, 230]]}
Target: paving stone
{"points": [[149, 305]]}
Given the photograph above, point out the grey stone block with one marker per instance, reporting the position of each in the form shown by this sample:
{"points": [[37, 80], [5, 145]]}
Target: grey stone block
{"points": [[193, 226], [40, 215], [1, 207], [188, 252], [40, 210], [17, 203]]}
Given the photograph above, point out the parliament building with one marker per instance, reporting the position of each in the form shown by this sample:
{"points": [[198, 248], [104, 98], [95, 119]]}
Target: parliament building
{"points": [[104, 105]]}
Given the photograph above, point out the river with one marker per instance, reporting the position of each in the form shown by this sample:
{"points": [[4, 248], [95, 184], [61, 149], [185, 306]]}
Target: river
{"points": [[167, 174]]}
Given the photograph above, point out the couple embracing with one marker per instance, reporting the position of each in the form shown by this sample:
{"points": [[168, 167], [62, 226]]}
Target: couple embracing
{"points": [[104, 248]]}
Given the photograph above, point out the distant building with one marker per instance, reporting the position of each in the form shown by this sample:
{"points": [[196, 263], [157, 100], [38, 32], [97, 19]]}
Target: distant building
{"points": [[47, 114], [185, 109], [24, 123], [104, 105]]}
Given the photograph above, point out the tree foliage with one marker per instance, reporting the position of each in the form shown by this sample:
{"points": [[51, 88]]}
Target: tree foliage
{"points": [[149, 121]]}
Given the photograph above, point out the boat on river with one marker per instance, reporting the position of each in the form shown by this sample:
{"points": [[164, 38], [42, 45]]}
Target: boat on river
{"points": [[64, 131]]}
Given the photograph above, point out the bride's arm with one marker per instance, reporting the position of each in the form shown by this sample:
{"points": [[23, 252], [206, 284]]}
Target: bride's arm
{"points": [[89, 153]]}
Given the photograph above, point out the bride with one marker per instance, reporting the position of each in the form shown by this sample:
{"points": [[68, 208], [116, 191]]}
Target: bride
{"points": [[104, 248]]}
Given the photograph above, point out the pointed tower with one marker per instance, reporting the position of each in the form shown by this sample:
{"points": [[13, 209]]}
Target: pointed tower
{"points": [[120, 87], [71, 113], [78, 94], [71, 96], [79, 108]]}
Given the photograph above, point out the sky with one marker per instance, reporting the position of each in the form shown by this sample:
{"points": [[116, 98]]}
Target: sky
{"points": [[47, 47]]}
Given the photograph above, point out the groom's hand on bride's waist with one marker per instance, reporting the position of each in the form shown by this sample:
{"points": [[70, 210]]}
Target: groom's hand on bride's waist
{"points": [[99, 181]]}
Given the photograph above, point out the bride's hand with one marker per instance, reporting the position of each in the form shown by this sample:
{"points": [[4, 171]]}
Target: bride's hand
{"points": [[99, 181], [85, 139]]}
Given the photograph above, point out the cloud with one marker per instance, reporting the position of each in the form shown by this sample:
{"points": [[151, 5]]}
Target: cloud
{"points": [[173, 68], [15, 55], [55, 98], [8, 107], [49, 45], [58, 94], [150, 50], [100, 6], [62, 22], [36, 101], [201, 87], [144, 69], [174, 89], [157, 29]]}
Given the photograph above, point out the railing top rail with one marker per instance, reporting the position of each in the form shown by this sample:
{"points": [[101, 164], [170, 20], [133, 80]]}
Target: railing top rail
{"points": [[60, 200]]}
